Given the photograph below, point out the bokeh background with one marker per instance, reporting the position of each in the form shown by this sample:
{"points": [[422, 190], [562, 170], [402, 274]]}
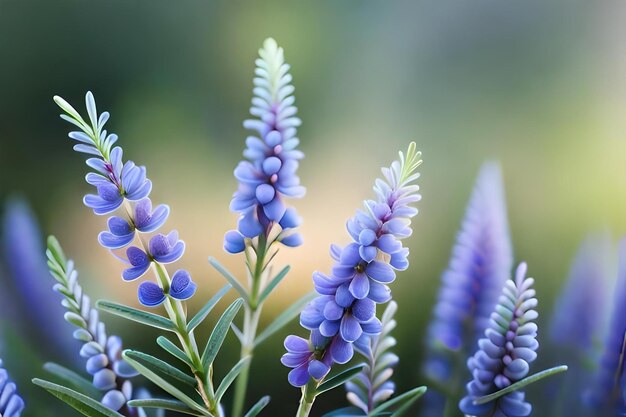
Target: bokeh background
{"points": [[539, 86]]}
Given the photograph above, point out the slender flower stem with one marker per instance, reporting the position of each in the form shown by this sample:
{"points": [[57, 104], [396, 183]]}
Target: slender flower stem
{"points": [[177, 314], [252, 313], [307, 399]]}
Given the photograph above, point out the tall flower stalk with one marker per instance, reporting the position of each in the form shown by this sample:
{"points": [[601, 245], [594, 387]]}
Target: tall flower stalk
{"points": [[579, 321], [123, 187], [26, 262], [608, 389], [506, 351], [480, 265], [345, 308], [266, 177]]}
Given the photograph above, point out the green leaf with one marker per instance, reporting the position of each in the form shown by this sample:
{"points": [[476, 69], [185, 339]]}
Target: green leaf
{"points": [[229, 277], [230, 377], [69, 377], [339, 379], [219, 333], [346, 411], [273, 284], [163, 404], [67, 108], [134, 314], [85, 405], [402, 400], [56, 252], [172, 349], [157, 365], [206, 309], [521, 384], [256, 408], [237, 332], [284, 318], [166, 386]]}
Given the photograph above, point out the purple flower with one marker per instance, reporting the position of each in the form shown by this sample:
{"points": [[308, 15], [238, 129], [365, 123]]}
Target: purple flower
{"points": [[505, 352], [162, 249], [122, 232], [607, 389], [11, 404], [123, 184], [269, 173], [345, 309], [113, 186], [182, 288], [307, 359], [481, 261]]}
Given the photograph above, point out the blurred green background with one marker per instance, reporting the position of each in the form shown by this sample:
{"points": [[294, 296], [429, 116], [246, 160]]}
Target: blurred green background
{"points": [[540, 86]]}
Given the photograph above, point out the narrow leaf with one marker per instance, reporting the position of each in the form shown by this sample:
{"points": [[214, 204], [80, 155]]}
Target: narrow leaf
{"points": [[56, 252], [230, 377], [157, 365], [409, 396], [219, 333], [273, 284], [172, 349], [256, 408], [166, 386], [85, 405], [134, 314], [204, 311], [229, 277], [284, 318], [237, 332], [164, 404], [339, 379], [520, 384], [71, 378], [345, 412]]}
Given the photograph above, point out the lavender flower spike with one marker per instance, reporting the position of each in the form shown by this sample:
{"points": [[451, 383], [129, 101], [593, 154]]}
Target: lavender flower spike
{"points": [[580, 311], [373, 385], [504, 354], [345, 309], [103, 353], [125, 185], [268, 174], [11, 404], [480, 264], [609, 386]]}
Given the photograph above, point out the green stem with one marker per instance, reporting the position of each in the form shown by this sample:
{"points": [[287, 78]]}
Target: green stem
{"points": [[250, 325], [252, 314], [176, 312], [307, 399]]}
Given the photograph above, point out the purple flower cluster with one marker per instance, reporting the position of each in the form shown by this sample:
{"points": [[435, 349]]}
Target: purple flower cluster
{"points": [[11, 404], [505, 352], [608, 391], [480, 264], [269, 173], [125, 185], [345, 309]]}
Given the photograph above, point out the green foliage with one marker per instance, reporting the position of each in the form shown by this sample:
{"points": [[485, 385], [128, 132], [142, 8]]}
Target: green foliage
{"points": [[136, 315], [85, 405], [521, 384]]}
